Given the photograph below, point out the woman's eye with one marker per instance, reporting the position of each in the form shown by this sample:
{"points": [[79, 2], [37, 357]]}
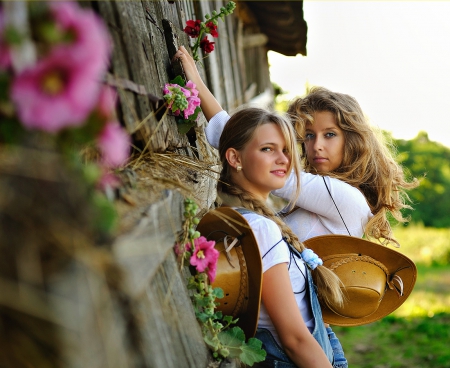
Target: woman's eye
{"points": [[309, 136], [266, 149], [330, 135]]}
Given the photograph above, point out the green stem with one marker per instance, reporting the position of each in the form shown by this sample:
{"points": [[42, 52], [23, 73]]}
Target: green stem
{"points": [[197, 44]]}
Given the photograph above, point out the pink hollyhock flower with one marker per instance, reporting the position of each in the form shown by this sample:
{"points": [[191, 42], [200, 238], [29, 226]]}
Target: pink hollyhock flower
{"points": [[91, 43], [176, 98], [181, 99], [192, 28], [55, 93], [205, 257], [212, 29], [193, 102], [206, 45], [114, 143], [171, 89], [192, 88]]}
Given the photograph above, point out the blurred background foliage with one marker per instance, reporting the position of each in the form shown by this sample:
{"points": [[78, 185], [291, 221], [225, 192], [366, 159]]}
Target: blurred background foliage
{"points": [[428, 161]]}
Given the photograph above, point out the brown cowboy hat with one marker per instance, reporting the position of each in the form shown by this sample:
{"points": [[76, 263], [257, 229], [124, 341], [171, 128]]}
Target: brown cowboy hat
{"points": [[239, 268], [376, 279]]}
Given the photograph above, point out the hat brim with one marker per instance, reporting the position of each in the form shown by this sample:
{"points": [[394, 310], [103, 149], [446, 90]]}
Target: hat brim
{"points": [[394, 261], [228, 220]]}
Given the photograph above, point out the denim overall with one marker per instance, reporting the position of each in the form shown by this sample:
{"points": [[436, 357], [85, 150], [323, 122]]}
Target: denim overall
{"points": [[276, 357]]}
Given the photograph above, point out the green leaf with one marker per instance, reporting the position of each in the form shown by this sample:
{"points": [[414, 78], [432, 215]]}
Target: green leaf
{"points": [[213, 342], [106, 213], [185, 125], [178, 80], [248, 353], [202, 317], [233, 337], [218, 293], [11, 131], [252, 352], [229, 319], [12, 36]]}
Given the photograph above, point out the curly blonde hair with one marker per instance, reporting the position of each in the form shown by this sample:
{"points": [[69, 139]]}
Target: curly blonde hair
{"points": [[368, 163], [237, 133]]}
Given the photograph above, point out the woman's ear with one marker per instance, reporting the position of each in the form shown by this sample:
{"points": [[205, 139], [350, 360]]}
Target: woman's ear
{"points": [[233, 157]]}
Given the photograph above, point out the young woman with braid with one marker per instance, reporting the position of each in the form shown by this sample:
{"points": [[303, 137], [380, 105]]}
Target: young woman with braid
{"points": [[258, 152], [358, 181]]}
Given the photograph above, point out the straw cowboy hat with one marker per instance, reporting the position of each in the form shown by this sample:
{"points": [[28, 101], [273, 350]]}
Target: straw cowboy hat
{"points": [[239, 267], [376, 279]]}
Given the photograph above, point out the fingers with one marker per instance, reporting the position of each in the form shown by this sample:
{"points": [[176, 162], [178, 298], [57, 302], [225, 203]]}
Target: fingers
{"points": [[189, 65], [181, 54]]}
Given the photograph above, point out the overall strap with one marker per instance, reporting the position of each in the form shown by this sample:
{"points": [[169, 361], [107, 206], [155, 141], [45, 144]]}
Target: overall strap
{"points": [[335, 205], [243, 210]]}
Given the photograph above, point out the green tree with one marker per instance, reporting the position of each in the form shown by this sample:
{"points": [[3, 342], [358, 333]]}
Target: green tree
{"points": [[429, 162]]}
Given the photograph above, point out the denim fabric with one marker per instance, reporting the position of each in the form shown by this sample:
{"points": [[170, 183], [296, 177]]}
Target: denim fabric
{"points": [[339, 359], [319, 332], [276, 357]]}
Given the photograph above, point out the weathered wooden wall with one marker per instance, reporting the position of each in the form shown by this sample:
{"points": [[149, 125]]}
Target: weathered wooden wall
{"points": [[139, 314], [171, 336]]}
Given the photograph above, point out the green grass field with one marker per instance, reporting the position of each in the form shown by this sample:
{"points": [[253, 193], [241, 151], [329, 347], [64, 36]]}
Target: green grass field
{"points": [[417, 335]]}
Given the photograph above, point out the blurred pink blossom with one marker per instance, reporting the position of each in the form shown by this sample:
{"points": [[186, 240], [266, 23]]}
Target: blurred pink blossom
{"points": [[56, 93], [114, 144], [108, 180], [179, 249], [91, 42], [107, 102], [205, 257]]}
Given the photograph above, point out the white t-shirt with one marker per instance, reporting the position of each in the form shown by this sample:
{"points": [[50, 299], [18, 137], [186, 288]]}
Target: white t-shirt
{"points": [[274, 250], [316, 213]]}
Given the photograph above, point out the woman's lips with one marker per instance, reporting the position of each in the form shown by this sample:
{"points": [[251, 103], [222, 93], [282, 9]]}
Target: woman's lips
{"points": [[279, 172]]}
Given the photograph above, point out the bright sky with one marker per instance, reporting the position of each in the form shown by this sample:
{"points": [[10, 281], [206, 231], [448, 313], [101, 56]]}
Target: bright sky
{"points": [[392, 56]]}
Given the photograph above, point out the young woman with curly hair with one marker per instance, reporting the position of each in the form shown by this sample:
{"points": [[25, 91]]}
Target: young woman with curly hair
{"points": [[338, 141]]}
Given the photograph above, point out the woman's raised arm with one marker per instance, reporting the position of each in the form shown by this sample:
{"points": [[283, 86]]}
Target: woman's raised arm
{"points": [[210, 106]]}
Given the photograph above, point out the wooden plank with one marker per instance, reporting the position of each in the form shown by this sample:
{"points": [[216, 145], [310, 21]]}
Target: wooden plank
{"points": [[255, 40], [119, 64], [232, 27], [211, 62]]}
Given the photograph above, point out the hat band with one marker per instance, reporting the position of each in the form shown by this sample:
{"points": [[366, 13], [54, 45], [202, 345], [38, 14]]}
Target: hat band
{"points": [[368, 259], [241, 304]]}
